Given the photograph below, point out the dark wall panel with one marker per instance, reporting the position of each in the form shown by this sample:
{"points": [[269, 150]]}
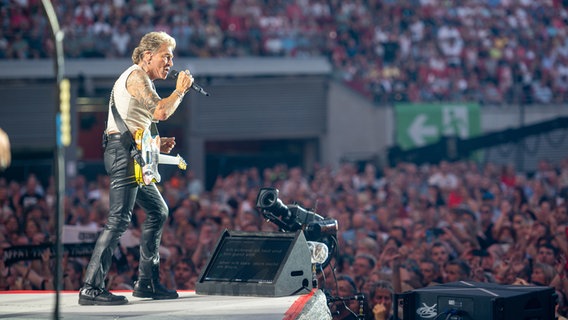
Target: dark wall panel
{"points": [[261, 107], [27, 114]]}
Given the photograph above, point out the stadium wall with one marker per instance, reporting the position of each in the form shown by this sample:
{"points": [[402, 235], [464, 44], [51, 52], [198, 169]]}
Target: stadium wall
{"points": [[293, 103]]}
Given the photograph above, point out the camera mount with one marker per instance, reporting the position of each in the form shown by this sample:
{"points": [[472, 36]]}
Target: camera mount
{"points": [[292, 218]]}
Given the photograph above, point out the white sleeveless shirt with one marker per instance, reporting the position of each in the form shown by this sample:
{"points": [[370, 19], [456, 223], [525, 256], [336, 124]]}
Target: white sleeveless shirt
{"points": [[135, 115]]}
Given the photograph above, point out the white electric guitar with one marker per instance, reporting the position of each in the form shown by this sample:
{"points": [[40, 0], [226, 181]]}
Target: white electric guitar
{"points": [[150, 146]]}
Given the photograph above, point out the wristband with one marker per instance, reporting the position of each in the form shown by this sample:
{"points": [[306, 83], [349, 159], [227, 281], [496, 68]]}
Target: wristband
{"points": [[180, 94]]}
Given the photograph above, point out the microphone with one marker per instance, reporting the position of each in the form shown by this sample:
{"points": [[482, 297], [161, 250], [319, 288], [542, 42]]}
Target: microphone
{"points": [[173, 75], [358, 297]]}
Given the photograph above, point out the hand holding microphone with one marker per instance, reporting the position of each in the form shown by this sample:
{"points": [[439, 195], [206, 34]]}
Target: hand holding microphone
{"points": [[174, 75]]}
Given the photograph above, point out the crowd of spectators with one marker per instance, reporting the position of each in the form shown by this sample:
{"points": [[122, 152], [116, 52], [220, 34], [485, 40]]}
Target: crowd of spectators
{"points": [[493, 52], [400, 228]]}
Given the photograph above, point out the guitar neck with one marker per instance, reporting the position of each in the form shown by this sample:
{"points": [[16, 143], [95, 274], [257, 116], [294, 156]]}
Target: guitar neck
{"points": [[165, 159], [177, 160]]}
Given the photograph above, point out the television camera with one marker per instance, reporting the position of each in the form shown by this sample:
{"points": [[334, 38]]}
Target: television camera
{"points": [[292, 218]]}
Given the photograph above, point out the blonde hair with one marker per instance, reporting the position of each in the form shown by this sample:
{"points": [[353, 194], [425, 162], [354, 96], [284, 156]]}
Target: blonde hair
{"points": [[152, 41]]}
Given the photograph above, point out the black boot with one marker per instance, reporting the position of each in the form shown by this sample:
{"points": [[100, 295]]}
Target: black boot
{"points": [[89, 296], [147, 288]]}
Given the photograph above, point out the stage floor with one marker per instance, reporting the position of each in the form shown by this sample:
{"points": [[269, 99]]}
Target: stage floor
{"points": [[41, 305]]}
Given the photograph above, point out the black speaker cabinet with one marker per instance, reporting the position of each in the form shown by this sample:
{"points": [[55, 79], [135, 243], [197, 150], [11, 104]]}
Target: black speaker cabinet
{"points": [[265, 264], [465, 300]]}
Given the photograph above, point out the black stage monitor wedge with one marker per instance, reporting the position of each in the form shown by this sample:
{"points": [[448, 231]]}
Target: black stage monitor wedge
{"points": [[466, 300], [267, 264]]}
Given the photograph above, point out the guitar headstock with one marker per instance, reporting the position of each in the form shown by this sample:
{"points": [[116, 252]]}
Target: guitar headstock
{"points": [[181, 164]]}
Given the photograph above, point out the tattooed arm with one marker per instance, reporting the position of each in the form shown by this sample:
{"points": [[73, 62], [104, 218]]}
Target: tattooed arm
{"points": [[140, 87]]}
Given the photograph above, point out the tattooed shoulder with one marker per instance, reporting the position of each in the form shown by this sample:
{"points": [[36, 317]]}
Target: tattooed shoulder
{"points": [[140, 87]]}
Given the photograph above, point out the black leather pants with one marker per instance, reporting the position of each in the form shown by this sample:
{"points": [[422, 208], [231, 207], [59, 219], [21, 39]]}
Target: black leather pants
{"points": [[124, 193]]}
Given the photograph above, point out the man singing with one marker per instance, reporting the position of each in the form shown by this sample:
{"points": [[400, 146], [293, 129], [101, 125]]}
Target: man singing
{"points": [[138, 104]]}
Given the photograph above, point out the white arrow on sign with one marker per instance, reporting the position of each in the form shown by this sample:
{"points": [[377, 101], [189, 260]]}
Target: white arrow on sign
{"points": [[418, 130]]}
